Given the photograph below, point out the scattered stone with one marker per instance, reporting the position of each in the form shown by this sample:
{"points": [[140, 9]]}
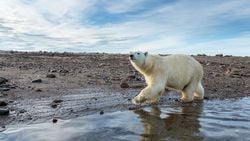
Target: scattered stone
{"points": [[3, 103], [4, 112], [4, 89], [54, 120], [206, 98], [3, 80], [64, 71], [133, 108], [101, 112], [57, 100], [177, 100], [219, 55], [131, 77], [124, 84], [2, 128], [89, 75], [129, 99], [54, 70], [22, 111], [53, 105], [216, 75], [37, 81], [51, 76], [38, 90]]}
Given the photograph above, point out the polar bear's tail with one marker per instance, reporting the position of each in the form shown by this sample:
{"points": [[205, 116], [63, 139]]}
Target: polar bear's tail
{"points": [[199, 93]]}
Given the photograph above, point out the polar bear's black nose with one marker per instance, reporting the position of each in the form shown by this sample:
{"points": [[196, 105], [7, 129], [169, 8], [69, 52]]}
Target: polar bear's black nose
{"points": [[131, 56]]}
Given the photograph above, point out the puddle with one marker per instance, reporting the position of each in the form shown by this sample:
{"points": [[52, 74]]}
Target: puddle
{"points": [[210, 120]]}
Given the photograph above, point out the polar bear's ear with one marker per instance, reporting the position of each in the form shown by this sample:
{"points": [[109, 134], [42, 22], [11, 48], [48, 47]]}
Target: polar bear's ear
{"points": [[146, 53]]}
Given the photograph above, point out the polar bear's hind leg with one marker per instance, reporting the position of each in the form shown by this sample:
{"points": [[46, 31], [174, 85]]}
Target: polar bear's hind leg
{"points": [[199, 93], [188, 92]]}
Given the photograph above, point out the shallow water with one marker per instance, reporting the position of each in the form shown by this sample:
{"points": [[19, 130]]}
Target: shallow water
{"points": [[210, 120]]}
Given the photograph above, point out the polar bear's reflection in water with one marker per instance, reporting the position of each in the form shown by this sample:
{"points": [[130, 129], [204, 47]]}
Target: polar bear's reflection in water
{"points": [[183, 125]]}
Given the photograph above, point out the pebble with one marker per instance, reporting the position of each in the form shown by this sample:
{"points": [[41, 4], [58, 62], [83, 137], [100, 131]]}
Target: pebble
{"points": [[38, 90], [63, 71], [3, 80], [37, 81], [53, 105], [54, 120], [57, 100], [2, 128], [22, 111], [124, 84], [101, 112], [206, 98], [4, 112], [51, 76], [3, 103], [4, 89]]}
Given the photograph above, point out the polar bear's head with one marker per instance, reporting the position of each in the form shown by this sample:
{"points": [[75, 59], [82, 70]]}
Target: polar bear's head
{"points": [[138, 58]]}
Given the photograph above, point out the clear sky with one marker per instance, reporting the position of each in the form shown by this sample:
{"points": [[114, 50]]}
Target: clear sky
{"points": [[121, 26]]}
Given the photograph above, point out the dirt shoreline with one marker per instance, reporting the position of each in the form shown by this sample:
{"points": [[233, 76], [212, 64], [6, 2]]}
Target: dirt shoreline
{"points": [[70, 85]]}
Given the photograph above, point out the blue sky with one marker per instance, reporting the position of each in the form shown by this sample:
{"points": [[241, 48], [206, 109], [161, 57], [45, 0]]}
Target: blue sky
{"points": [[121, 26]]}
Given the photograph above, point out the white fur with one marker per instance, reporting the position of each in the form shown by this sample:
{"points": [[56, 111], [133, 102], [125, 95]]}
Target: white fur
{"points": [[180, 72]]}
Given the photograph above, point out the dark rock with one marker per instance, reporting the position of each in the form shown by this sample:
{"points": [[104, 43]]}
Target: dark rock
{"points": [[22, 111], [124, 84], [37, 81], [3, 103], [54, 120], [132, 108], [51, 76], [228, 55], [129, 99], [131, 77], [64, 71], [2, 128], [11, 101], [177, 100], [38, 90], [57, 100], [3, 80], [53, 105], [4, 112], [101, 112], [4, 89], [206, 98]]}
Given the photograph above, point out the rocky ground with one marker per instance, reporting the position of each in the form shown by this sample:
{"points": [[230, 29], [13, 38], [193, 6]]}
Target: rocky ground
{"points": [[36, 87]]}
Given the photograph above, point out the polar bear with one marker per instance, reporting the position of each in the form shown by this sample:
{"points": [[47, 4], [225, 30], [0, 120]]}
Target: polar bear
{"points": [[179, 72]]}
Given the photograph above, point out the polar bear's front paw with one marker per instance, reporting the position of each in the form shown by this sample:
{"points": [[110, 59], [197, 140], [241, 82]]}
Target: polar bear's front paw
{"points": [[138, 100], [185, 100]]}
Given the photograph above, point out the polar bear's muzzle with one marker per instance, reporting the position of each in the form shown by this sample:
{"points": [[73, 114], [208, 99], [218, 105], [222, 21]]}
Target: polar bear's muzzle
{"points": [[131, 56]]}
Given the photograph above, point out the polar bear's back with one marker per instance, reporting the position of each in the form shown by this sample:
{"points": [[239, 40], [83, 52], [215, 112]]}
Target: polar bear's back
{"points": [[181, 66]]}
